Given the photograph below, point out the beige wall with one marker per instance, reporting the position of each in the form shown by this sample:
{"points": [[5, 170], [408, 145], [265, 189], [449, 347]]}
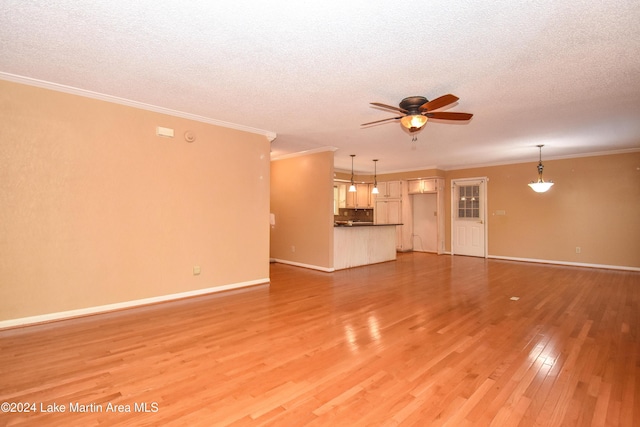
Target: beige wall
{"points": [[96, 209], [594, 204], [302, 201]]}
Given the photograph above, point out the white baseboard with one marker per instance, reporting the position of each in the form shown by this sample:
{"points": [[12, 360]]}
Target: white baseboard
{"points": [[24, 321], [299, 264], [534, 260], [568, 263]]}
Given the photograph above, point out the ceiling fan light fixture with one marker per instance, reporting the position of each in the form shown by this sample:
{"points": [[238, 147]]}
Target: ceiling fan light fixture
{"points": [[540, 186], [413, 122]]}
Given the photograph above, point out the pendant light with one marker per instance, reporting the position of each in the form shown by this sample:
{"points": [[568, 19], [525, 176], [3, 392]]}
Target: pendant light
{"points": [[375, 178], [540, 186], [352, 188]]}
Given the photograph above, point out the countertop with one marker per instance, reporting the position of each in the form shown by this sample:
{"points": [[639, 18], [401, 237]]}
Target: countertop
{"points": [[359, 224]]}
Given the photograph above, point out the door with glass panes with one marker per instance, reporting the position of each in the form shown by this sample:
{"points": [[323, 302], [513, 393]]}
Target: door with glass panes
{"points": [[468, 225]]}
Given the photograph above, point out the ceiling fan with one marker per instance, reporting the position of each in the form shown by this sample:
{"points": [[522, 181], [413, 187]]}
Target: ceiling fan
{"points": [[417, 110]]}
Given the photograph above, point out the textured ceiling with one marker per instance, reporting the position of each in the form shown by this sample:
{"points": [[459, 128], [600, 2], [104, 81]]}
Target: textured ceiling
{"points": [[563, 74]]}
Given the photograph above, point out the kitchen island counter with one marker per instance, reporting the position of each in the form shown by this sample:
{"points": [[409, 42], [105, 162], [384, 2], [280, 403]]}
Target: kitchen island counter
{"points": [[360, 224], [363, 244]]}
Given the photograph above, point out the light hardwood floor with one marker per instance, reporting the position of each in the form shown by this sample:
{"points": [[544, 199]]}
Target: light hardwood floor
{"points": [[424, 340]]}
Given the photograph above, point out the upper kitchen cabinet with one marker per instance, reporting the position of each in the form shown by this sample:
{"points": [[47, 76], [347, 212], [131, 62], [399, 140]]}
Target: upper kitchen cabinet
{"points": [[363, 196], [390, 190], [430, 185], [339, 197], [361, 199]]}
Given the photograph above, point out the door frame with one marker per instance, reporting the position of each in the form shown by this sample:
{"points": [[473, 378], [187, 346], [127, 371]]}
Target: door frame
{"points": [[439, 239], [454, 208]]}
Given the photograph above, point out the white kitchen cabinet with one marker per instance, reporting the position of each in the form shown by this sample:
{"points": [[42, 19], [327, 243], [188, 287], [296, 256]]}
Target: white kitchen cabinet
{"points": [[388, 208], [361, 198], [430, 185], [390, 212], [415, 186], [389, 190], [351, 198], [339, 197], [425, 215]]}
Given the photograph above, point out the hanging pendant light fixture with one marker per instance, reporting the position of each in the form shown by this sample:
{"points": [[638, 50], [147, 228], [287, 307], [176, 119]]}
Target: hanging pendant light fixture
{"points": [[540, 186], [375, 178], [352, 188]]}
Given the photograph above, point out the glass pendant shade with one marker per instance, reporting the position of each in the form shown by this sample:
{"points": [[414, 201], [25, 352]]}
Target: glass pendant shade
{"points": [[540, 186], [413, 122], [375, 190], [352, 188]]}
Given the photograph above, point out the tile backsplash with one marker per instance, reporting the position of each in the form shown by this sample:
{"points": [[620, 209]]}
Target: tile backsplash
{"points": [[359, 215]]}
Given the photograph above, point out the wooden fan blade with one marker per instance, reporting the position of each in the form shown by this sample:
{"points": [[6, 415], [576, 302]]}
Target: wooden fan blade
{"points": [[443, 101], [377, 104], [445, 115], [383, 120]]}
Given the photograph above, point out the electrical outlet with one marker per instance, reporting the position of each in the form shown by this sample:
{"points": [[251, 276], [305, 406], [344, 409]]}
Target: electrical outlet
{"points": [[578, 250], [293, 248], [196, 270]]}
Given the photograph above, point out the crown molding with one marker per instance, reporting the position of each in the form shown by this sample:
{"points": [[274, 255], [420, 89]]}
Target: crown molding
{"points": [[549, 158], [130, 103], [304, 153]]}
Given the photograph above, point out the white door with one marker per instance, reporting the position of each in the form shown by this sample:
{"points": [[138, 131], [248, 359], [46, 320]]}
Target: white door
{"points": [[468, 211]]}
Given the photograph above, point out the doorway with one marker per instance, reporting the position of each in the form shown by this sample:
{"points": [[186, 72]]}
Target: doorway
{"points": [[468, 217], [425, 222]]}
